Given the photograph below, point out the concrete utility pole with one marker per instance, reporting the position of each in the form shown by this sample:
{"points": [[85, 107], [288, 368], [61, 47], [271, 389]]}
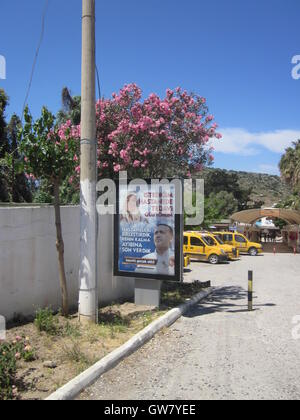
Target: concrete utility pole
{"points": [[88, 294]]}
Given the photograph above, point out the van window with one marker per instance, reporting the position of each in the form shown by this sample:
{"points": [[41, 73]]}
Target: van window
{"points": [[196, 242], [227, 237], [185, 240], [240, 239]]}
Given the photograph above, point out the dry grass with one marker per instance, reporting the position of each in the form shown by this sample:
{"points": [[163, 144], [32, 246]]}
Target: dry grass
{"points": [[73, 347]]}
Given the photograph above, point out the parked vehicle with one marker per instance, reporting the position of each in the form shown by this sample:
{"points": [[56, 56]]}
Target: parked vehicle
{"points": [[231, 251], [198, 247], [239, 241]]}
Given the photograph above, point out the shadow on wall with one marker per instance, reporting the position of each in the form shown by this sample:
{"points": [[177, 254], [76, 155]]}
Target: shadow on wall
{"points": [[225, 299]]}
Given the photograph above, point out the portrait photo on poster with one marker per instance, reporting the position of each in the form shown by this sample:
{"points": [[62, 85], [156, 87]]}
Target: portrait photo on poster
{"points": [[148, 232]]}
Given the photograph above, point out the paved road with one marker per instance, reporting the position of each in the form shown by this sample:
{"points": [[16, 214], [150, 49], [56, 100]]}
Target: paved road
{"points": [[219, 350]]}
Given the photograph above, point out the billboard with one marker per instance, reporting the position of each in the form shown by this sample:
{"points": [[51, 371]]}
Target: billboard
{"points": [[148, 231]]}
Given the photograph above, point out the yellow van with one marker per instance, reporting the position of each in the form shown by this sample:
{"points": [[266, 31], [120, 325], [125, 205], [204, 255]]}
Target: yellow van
{"points": [[231, 251], [197, 247], [239, 241]]}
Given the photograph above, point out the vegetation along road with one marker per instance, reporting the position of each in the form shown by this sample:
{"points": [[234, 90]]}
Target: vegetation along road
{"points": [[219, 350]]}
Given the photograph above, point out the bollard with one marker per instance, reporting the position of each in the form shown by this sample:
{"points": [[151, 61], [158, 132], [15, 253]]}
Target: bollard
{"points": [[295, 251], [250, 290], [274, 250]]}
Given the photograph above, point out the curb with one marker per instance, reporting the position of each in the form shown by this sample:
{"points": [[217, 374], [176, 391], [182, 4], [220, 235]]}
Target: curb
{"points": [[88, 377]]}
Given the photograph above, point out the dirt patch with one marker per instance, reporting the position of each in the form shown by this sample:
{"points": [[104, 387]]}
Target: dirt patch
{"points": [[71, 347]]}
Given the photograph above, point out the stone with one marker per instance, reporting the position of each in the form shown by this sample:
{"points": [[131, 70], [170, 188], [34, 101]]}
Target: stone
{"points": [[50, 365]]}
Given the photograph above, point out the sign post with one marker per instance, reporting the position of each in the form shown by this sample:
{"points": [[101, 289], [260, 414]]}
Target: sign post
{"points": [[250, 291], [147, 292]]}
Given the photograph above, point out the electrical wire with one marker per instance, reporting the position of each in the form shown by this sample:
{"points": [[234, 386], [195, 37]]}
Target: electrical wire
{"points": [[98, 82], [35, 57]]}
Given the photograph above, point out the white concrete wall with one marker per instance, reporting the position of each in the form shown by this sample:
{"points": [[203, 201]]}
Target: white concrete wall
{"points": [[28, 260]]}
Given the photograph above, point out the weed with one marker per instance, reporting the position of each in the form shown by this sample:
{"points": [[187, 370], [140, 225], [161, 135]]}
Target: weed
{"points": [[147, 319], [46, 321], [71, 330], [111, 317], [75, 354]]}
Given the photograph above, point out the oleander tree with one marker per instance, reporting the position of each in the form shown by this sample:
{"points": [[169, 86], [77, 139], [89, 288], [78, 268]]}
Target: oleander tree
{"points": [[47, 152], [153, 137]]}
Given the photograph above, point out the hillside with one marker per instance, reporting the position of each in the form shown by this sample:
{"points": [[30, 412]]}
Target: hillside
{"points": [[268, 189]]}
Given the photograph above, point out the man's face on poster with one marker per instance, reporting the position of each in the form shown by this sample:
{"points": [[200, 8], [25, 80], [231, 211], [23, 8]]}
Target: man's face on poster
{"points": [[163, 237]]}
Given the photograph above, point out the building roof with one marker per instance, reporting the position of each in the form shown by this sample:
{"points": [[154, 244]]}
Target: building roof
{"points": [[292, 217]]}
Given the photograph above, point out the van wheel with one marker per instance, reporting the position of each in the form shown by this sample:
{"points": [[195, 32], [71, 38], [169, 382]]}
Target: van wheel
{"points": [[253, 252], [213, 259]]}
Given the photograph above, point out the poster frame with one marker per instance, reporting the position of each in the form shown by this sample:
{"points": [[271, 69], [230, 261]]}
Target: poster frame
{"points": [[178, 241]]}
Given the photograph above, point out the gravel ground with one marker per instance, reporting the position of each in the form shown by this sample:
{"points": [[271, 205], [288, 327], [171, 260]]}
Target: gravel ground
{"points": [[219, 350]]}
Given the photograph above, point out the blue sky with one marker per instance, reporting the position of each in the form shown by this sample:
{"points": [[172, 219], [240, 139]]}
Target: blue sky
{"points": [[235, 53]]}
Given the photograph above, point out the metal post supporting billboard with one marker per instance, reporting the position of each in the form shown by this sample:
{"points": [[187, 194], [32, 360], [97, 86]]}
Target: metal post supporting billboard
{"points": [[147, 292]]}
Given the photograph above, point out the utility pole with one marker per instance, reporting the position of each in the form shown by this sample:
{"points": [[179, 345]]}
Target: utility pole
{"points": [[88, 294]]}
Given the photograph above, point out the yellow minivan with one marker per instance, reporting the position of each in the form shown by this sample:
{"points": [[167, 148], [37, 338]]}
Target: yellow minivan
{"points": [[240, 241], [231, 251], [197, 247]]}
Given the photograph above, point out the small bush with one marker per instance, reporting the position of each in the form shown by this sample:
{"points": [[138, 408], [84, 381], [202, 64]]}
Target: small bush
{"points": [[8, 369], [10, 353], [46, 321]]}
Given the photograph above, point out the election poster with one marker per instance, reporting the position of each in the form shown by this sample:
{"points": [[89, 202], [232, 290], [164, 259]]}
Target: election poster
{"points": [[148, 232]]}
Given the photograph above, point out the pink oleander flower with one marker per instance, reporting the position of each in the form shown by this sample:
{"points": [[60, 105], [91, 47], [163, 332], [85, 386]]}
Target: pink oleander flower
{"points": [[123, 154], [136, 164]]}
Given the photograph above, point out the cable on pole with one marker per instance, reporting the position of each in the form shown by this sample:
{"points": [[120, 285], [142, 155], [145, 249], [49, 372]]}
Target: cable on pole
{"points": [[35, 57]]}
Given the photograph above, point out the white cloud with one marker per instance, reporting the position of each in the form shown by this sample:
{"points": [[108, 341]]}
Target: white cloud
{"points": [[241, 142]]}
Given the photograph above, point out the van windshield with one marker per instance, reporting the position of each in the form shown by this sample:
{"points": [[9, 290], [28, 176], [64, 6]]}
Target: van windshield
{"points": [[218, 239], [209, 240]]}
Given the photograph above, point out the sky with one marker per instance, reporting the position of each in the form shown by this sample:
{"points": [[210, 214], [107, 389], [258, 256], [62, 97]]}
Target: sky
{"points": [[236, 53]]}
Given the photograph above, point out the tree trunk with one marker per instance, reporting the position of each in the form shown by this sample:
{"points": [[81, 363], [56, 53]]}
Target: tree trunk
{"points": [[61, 250]]}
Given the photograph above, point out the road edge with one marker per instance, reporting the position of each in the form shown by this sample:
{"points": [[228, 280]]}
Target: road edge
{"points": [[73, 388]]}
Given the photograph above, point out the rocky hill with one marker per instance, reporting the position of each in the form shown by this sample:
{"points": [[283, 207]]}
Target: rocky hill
{"points": [[269, 189]]}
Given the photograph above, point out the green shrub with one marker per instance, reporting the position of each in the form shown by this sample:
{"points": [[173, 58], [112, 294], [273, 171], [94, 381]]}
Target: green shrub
{"points": [[46, 321], [10, 353], [8, 369]]}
